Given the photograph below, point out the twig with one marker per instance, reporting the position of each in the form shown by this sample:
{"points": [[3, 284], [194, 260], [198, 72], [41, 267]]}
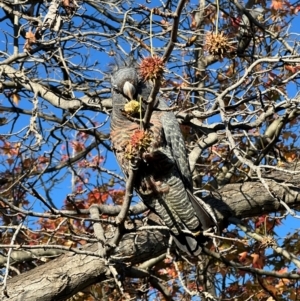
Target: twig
{"points": [[98, 231], [260, 238], [140, 41], [225, 238], [4, 283], [55, 230], [191, 293], [156, 282], [158, 12], [126, 203], [270, 292], [128, 194], [162, 288], [151, 262], [151, 100], [115, 274], [168, 51], [248, 269], [107, 209], [173, 38]]}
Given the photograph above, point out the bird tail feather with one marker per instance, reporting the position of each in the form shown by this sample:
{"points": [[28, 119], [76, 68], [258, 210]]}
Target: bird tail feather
{"points": [[187, 243], [191, 243], [204, 212]]}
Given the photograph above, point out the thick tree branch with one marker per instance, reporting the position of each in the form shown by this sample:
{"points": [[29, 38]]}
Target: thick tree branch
{"points": [[63, 276], [71, 272], [58, 101]]}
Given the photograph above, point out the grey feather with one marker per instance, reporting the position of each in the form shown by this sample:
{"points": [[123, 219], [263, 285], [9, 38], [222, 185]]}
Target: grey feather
{"points": [[164, 180]]}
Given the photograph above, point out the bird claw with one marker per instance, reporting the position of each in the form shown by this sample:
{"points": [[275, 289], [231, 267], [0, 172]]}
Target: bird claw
{"points": [[134, 164]]}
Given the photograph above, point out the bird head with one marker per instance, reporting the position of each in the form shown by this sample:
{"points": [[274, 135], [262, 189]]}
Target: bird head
{"points": [[125, 81]]}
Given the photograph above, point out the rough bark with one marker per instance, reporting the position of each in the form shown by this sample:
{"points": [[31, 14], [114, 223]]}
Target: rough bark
{"points": [[250, 199], [70, 273]]}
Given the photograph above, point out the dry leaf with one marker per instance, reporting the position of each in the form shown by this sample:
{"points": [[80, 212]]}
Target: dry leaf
{"points": [[277, 4], [243, 256], [15, 98], [3, 120], [30, 37]]}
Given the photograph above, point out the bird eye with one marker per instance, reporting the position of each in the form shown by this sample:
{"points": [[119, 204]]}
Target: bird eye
{"points": [[115, 88]]}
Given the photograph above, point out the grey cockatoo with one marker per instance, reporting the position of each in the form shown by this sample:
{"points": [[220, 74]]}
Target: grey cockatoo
{"points": [[163, 179]]}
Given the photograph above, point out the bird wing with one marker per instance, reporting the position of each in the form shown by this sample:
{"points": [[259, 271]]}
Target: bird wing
{"points": [[176, 144]]}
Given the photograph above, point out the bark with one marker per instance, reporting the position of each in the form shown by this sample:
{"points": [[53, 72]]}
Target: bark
{"points": [[70, 273], [250, 199], [39, 90]]}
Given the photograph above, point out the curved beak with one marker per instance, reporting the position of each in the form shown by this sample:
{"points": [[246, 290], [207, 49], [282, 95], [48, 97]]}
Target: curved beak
{"points": [[129, 90]]}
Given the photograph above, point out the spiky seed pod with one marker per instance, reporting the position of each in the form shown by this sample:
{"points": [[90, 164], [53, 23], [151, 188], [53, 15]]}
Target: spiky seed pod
{"points": [[139, 141], [217, 44], [151, 67]]}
